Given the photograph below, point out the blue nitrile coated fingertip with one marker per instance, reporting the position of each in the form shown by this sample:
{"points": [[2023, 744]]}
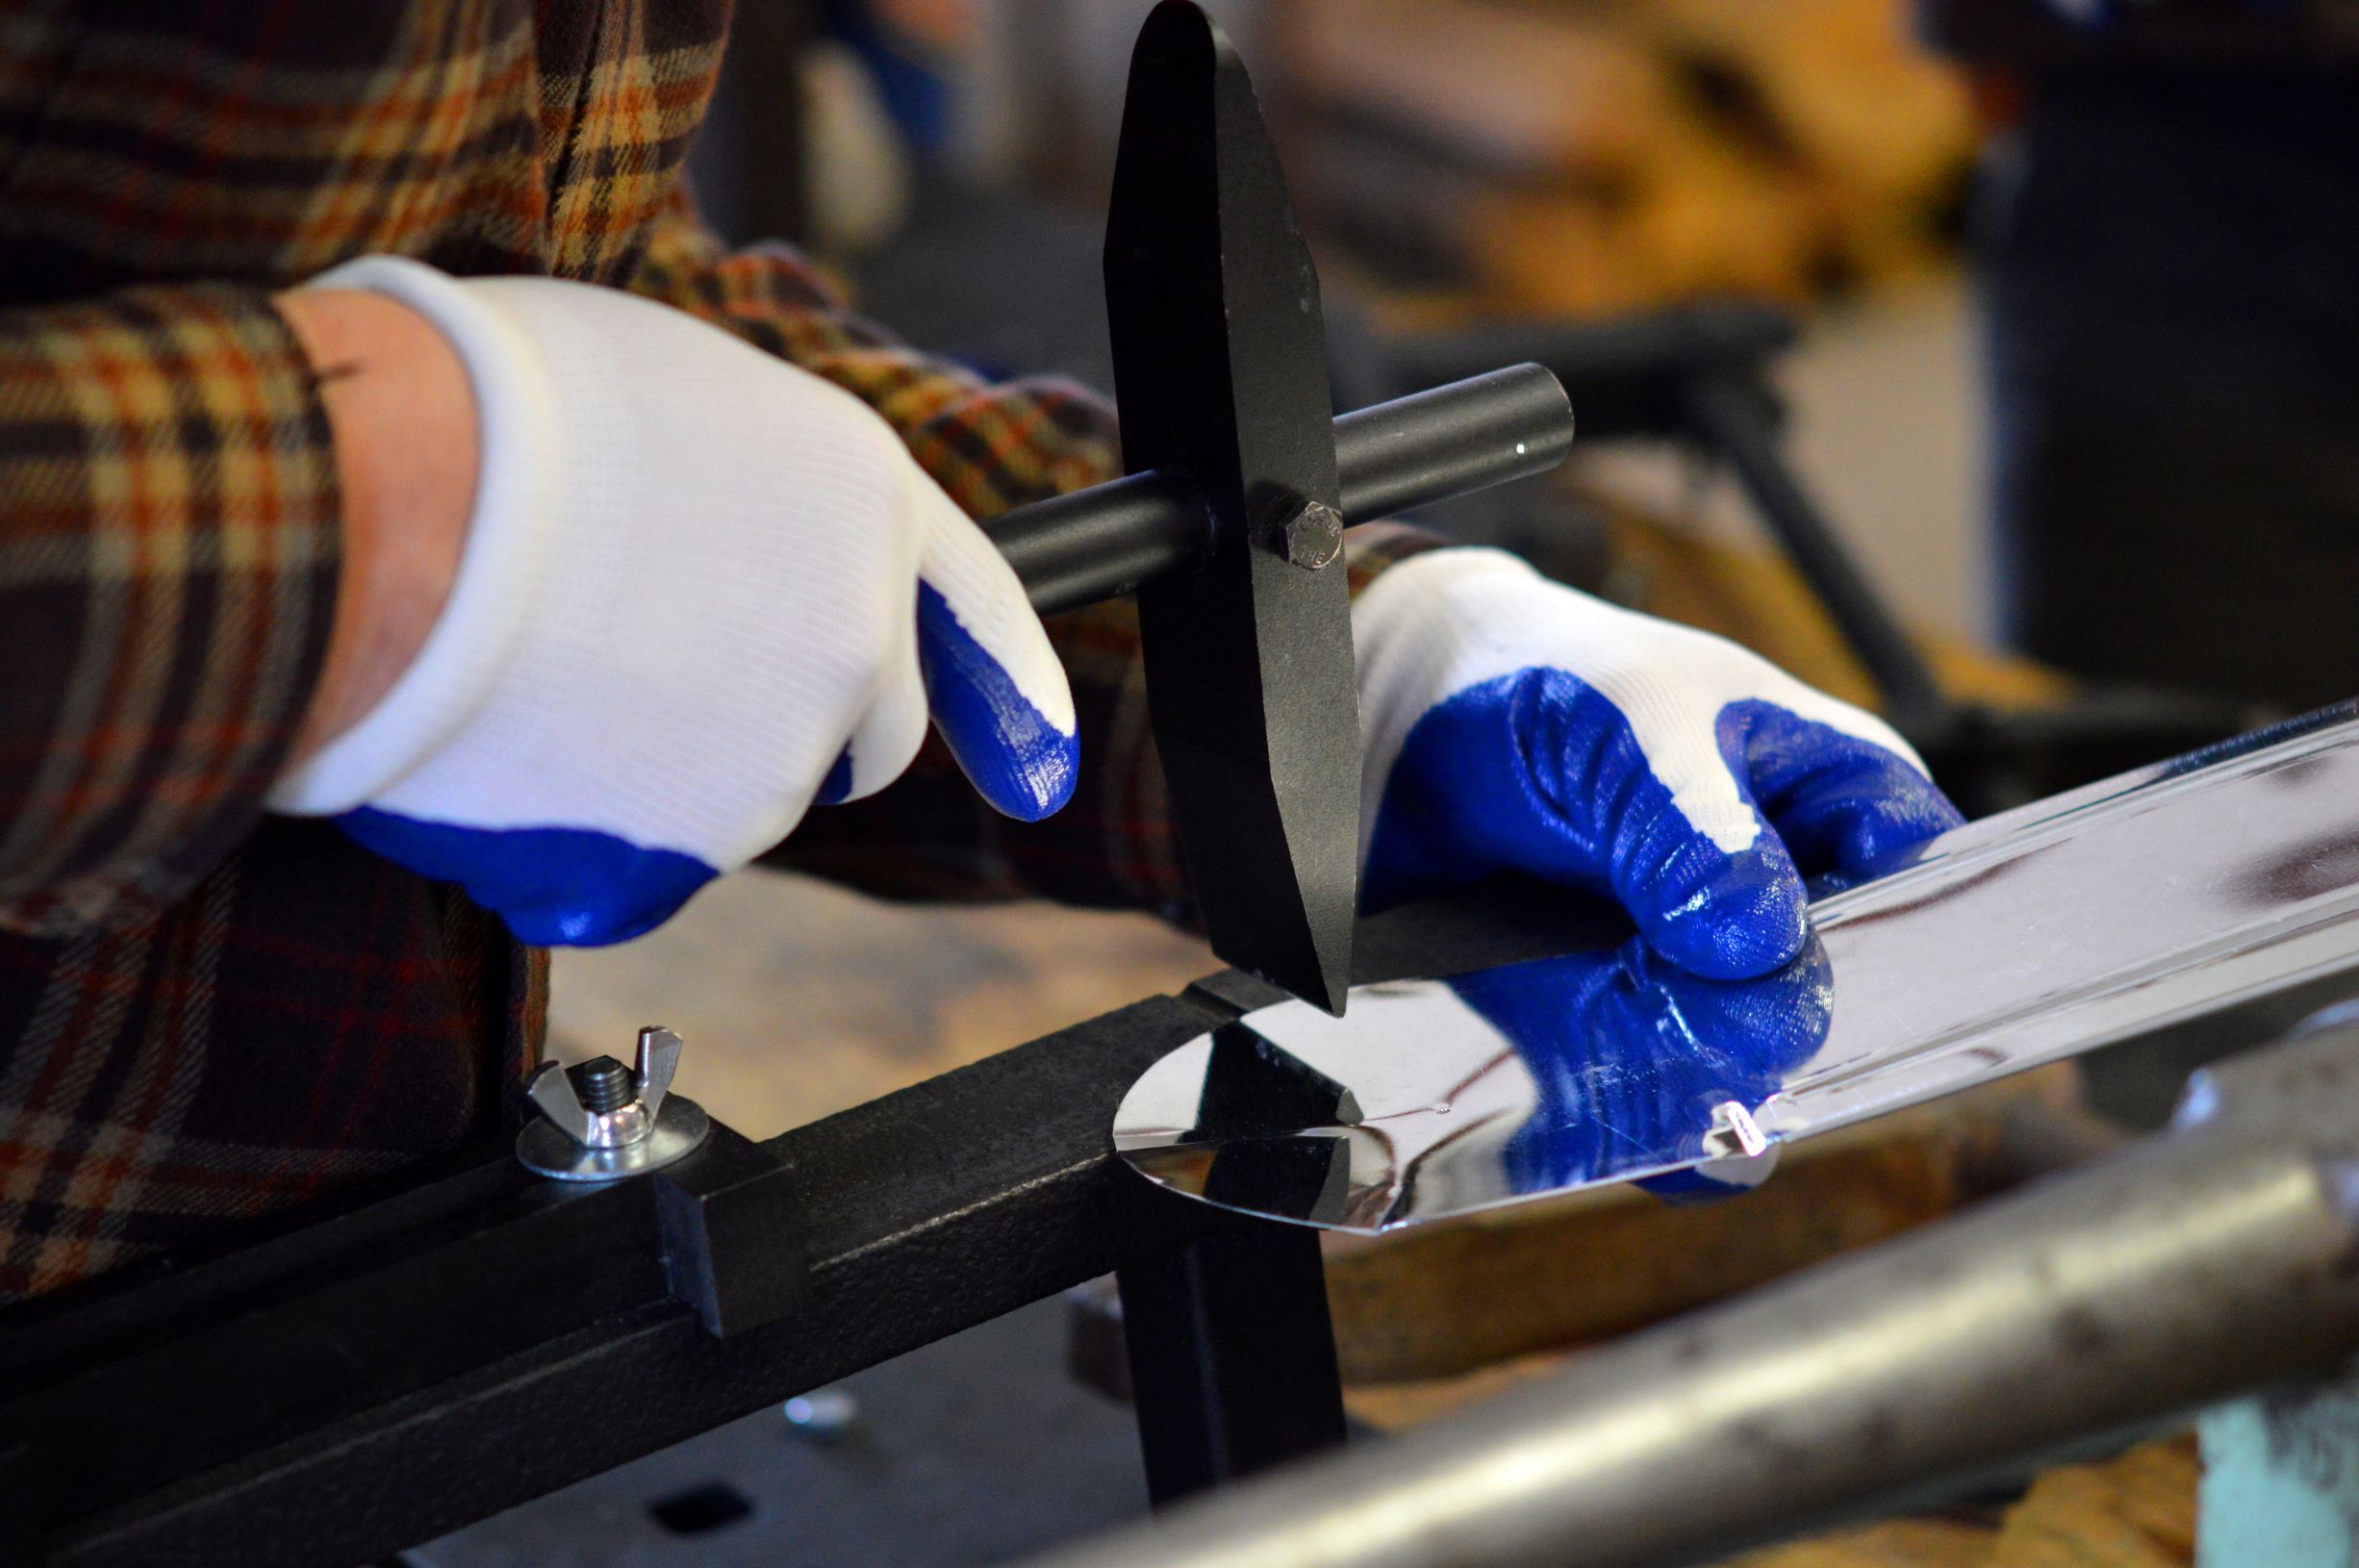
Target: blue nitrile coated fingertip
{"points": [[1538, 772], [556, 887], [1630, 1053], [1019, 761], [1472, 791], [1744, 914], [1847, 809]]}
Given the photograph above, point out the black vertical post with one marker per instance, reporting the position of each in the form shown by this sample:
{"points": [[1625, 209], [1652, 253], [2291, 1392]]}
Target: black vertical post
{"points": [[1232, 1357], [21, 1536], [1732, 412]]}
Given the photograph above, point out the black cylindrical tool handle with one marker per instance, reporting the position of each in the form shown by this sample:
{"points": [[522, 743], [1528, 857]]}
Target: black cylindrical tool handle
{"points": [[1452, 441], [1104, 541], [1088, 546]]}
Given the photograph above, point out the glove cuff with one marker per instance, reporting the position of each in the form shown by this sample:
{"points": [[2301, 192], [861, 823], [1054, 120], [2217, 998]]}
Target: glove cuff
{"points": [[500, 566]]}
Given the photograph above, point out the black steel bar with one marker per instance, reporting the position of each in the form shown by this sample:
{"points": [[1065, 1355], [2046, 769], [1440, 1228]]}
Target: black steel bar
{"points": [[369, 1401], [1104, 541], [1233, 1357], [1220, 369], [392, 1368], [1731, 414], [1452, 441], [1088, 546], [1231, 527]]}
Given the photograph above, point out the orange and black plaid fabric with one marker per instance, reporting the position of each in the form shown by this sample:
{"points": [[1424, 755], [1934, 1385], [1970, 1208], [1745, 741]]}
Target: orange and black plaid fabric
{"points": [[205, 1013]]}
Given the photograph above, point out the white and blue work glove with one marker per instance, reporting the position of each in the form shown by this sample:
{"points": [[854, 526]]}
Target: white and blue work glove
{"points": [[1512, 724], [701, 589], [1629, 1055]]}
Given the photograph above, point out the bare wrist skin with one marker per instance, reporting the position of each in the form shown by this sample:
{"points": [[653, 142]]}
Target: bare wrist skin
{"points": [[404, 421]]}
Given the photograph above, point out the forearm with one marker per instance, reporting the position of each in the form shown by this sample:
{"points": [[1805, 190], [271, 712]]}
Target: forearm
{"points": [[405, 435], [169, 553]]}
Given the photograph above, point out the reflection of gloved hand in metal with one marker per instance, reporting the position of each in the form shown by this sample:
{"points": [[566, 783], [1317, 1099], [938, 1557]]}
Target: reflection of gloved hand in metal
{"points": [[1514, 724], [1630, 1054], [700, 589]]}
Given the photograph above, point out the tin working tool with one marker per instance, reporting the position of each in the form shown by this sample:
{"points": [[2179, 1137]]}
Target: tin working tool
{"points": [[1230, 525]]}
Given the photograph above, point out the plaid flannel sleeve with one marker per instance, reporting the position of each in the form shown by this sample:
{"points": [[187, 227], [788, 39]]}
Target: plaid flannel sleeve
{"points": [[991, 445], [168, 544]]}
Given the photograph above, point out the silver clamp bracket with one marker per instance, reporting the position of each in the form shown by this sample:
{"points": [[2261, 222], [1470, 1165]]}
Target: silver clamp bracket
{"points": [[603, 1121]]}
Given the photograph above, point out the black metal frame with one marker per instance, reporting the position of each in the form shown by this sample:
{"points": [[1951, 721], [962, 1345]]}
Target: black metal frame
{"points": [[394, 1364]]}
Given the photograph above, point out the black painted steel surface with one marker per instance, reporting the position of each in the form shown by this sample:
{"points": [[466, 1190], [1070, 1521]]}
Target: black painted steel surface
{"points": [[409, 1360], [1233, 1357], [1103, 543], [1220, 371]]}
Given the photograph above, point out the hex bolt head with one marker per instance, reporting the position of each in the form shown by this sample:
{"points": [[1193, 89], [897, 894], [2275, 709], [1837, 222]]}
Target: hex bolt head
{"points": [[1314, 535]]}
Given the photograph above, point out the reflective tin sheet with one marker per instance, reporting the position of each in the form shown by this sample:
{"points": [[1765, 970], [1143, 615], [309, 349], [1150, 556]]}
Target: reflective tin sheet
{"points": [[2179, 891]]}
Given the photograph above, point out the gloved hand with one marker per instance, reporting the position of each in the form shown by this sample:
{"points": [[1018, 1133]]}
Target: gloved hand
{"points": [[701, 590], [1630, 1054], [1513, 724]]}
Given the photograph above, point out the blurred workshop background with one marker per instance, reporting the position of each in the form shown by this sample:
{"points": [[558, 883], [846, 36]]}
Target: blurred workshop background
{"points": [[1721, 212], [1457, 161]]}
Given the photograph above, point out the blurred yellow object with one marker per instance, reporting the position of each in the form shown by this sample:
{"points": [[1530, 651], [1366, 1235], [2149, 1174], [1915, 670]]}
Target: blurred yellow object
{"points": [[1703, 219], [1584, 157], [2137, 1510], [1498, 88], [1752, 595], [1900, 1543], [1840, 81], [2134, 1511]]}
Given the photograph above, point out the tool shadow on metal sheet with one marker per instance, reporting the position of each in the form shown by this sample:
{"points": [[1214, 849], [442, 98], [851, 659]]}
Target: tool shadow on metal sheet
{"points": [[2203, 891]]}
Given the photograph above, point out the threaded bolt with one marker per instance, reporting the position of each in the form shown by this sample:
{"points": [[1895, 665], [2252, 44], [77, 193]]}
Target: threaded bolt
{"points": [[604, 1085], [1314, 535]]}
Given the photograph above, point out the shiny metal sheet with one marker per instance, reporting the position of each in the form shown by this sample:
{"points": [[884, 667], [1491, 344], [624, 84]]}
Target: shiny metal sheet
{"points": [[2180, 891]]}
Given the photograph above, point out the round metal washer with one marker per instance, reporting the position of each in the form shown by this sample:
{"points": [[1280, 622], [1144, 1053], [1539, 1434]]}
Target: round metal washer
{"points": [[680, 1126]]}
